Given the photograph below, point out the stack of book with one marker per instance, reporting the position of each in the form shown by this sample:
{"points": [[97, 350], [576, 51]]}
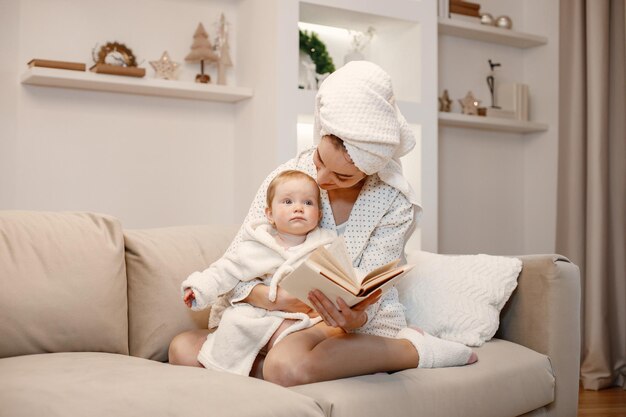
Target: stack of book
{"points": [[514, 98]]}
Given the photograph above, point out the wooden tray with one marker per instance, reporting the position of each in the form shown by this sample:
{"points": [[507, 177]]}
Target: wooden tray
{"points": [[118, 70], [48, 63]]}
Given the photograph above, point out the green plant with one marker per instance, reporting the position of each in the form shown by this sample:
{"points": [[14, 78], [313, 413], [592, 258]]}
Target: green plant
{"points": [[312, 45]]}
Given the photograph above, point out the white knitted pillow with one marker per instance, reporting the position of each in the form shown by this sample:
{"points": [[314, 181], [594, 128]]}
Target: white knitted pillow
{"points": [[458, 298]]}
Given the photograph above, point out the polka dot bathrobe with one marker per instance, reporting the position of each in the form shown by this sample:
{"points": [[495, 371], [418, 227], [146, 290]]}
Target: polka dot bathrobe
{"points": [[380, 222]]}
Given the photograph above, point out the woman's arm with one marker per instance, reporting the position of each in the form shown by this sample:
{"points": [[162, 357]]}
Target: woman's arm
{"points": [[386, 243]]}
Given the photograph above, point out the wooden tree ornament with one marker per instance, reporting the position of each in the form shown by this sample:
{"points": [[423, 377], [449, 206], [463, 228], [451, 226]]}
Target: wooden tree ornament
{"points": [[224, 59], [201, 50]]}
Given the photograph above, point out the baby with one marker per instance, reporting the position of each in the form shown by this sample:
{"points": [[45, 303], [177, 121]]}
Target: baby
{"points": [[270, 249]]}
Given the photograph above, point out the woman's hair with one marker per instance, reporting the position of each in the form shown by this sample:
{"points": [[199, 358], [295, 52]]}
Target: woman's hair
{"points": [[337, 143], [340, 146], [285, 176]]}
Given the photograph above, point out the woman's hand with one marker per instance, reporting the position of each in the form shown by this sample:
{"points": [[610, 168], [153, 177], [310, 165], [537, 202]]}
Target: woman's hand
{"points": [[189, 297], [345, 317]]}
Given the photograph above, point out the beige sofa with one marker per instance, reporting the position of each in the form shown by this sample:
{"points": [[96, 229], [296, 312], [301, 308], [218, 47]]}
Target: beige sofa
{"points": [[87, 310]]}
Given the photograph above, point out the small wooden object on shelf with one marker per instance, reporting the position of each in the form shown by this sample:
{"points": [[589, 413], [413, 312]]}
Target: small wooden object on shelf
{"points": [[465, 8], [47, 63], [202, 50], [118, 70]]}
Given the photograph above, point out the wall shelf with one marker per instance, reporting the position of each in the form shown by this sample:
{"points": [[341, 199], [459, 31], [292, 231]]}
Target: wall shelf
{"points": [[490, 123], [51, 77], [491, 34]]}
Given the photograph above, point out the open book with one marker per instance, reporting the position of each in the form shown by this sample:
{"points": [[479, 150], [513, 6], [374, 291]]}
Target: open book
{"points": [[330, 271]]}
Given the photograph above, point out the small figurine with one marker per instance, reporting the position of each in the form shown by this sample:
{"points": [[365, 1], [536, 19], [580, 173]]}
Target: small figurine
{"points": [[311, 81], [469, 104], [491, 82], [445, 104], [223, 50], [201, 50], [165, 68]]}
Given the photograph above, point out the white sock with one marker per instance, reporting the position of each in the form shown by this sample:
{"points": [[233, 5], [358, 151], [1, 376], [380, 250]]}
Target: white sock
{"points": [[435, 352]]}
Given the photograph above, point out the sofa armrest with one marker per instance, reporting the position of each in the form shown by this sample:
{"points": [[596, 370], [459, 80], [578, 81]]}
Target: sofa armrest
{"points": [[543, 314]]}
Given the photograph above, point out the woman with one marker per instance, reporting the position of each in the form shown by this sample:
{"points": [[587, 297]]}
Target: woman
{"points": [[360, 137]]}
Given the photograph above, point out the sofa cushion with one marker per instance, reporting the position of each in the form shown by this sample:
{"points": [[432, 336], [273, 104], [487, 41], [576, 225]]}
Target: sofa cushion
{"points": [[157, 261], [63, 283], [99, 384], [507, 380], [458, 297]]}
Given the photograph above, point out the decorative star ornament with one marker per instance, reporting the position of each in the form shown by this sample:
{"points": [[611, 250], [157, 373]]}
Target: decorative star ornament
{"points": [[165, 67], [469, 103], [445, 104]]}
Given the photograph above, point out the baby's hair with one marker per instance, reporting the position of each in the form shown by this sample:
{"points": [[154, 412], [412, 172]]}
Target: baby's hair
{"points": [[290, 175]]}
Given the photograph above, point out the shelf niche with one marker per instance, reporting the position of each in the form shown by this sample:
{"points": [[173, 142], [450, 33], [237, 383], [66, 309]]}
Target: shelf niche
{"points": [[51, 77], [393, 37]]}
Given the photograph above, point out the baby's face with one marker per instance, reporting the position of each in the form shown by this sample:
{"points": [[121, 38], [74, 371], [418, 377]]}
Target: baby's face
{"points": [[295, 209]]}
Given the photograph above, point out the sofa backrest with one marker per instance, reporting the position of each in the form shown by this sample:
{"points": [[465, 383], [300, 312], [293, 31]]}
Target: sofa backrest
{"points": [[157, 261], [62, 283]]}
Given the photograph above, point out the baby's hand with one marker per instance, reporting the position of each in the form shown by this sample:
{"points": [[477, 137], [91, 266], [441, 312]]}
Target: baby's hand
{"points": [[189, 297], [289, 303]]}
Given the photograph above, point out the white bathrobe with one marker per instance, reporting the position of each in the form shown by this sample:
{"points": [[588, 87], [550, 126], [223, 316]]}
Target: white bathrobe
{"points": [[257, 255], [244, 329]]}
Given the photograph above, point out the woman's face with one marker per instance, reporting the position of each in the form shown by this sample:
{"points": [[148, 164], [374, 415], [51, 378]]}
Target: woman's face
{"points": [[335, 170]]}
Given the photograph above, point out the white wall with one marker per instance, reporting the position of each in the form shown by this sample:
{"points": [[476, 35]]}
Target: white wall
{"points": [[9, 29], [157, 161], [266, 124], [541, 150], [498, 190], [150, 161]]}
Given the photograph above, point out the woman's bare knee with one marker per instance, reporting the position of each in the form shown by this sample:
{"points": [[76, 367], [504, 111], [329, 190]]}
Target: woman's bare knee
{"points": [[288, 370], [280, 370], [185, 347], [306, 370]]}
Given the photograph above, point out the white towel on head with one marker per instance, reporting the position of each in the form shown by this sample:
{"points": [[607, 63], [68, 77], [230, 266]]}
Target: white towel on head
{"points": [[356, 104]]}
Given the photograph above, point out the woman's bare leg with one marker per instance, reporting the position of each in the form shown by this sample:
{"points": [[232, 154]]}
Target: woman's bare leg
{"points": [[257, 366], [322, 353], [184, 348]]}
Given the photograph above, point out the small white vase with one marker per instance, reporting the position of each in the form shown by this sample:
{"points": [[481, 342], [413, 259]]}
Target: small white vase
{"points": [[353, 56]]}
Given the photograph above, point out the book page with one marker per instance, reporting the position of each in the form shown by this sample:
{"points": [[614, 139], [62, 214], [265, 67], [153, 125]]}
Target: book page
{"points": [[378, 271], [323, 258], [379, 280], [336, 259], [308, 277], [331, 274], [339, 251]]}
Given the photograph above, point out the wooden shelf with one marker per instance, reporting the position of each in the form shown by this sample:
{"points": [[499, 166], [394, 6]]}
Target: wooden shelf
{"points": [[51, 77], [491, 34], [490, 123]]}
